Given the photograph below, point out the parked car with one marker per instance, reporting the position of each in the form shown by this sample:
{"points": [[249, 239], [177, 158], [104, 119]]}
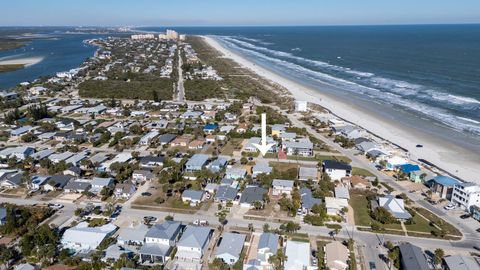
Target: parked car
{"points": [[149, 219], [372, 266], [465, 216], [146, 194], [56, 206], [199, 222], [449, 206]]}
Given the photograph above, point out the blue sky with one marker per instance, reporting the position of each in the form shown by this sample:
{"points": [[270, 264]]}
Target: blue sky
{"points": [[236, 12]]}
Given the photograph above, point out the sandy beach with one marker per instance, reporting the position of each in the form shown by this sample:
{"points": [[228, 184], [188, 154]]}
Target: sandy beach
{"points": [[454, 159], [26, 61]]}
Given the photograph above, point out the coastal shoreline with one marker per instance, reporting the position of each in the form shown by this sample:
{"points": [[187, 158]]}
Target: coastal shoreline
{"points": [[447, 156]]}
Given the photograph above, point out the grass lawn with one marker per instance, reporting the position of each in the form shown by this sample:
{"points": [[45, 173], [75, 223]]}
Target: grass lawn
{"points": [[361, 172], [231, 146], [420, 225], [283, 166], [449, 228]]}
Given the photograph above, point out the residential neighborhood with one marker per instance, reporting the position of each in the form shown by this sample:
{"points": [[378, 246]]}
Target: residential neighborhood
{"points": [[174, 182]]}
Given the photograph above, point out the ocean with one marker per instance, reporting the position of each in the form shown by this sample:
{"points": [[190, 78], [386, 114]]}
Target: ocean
{"points": [[426, 77]]}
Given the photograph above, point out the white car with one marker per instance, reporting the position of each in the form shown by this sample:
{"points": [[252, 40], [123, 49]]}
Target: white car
{"points": [[449, 207], [56, 206]]}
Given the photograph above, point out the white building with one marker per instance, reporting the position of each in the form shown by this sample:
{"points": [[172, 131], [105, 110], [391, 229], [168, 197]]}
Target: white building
{"points": [[280, 186], [301, 106], [193, 243], [83, 239], [145, 140], [298, 256], [466, 195]]}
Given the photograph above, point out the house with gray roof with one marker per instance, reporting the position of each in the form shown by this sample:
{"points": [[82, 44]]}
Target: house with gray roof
{"points": [[308, 201], [13, 180], [393, 205], [78, 185], [99, 183], [165, 139], [150, 162], [159, 242], [261, 168], [225, 194], [57, 182], [193, 243], [42, 154], [308, 173], [196, 163], [461, 262], [267, 246], [194, 197], [218, 164], [412, 258], [229, 247], [301, 147], [250, 195]]}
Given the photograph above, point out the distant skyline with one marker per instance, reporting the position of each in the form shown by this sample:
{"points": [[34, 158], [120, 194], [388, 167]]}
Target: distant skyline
{"points": [[236, 13]]}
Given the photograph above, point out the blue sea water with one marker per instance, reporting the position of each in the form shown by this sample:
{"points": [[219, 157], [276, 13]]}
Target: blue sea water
{"points": [[427, 77], [429, 71], [60, 51]]}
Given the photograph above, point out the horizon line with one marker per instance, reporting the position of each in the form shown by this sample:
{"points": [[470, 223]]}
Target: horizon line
{"points": [[259, 25]]}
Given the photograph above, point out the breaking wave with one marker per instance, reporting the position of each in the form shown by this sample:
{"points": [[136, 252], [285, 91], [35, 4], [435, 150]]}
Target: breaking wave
{"points": [[431, 103]]}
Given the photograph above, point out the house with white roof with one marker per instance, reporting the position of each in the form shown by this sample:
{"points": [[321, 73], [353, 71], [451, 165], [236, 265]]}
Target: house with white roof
{"points": [[280, 186], [147, 138], [466, 195], [235, 173], [335, 205], [298, 256], [133, 235], [19, 152], [82, 238]]}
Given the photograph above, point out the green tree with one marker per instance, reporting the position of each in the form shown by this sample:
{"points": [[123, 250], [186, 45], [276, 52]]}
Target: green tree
{"points": [[439, 254]]}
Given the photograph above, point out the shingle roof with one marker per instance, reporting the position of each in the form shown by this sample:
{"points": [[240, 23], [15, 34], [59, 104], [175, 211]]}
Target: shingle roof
{"points": [[195, 237], [270, 241], [195, 195], [231, 243], [166, 230], [252, 194], [413, 257], [226, 193], [333, 164]]}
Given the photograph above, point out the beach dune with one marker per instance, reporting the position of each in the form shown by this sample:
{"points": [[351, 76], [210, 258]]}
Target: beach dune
{"points": [[454, 159]]}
